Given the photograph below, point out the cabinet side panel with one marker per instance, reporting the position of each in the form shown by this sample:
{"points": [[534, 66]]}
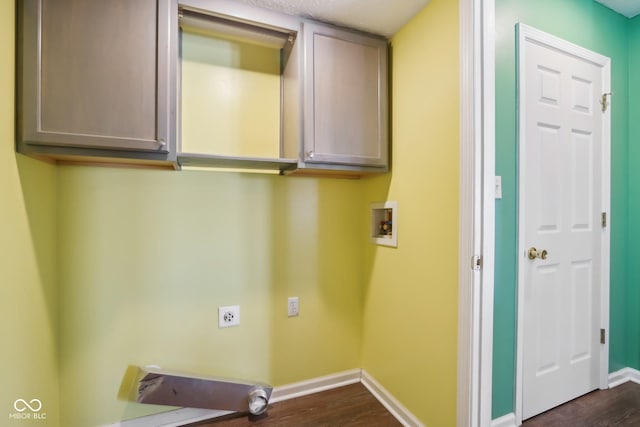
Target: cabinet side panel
{"points": [[92, 68], [291, 118], [26, 66]]}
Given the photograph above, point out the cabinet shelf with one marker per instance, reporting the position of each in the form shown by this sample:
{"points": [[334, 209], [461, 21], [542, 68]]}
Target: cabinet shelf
{"points": [[233, 162]]}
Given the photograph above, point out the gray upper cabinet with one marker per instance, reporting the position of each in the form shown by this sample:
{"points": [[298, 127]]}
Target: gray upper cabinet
{"points": [[97, 78], [343, 110]]}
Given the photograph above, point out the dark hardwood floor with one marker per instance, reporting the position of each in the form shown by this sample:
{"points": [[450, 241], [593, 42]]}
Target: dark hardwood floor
{"points": [[351, 405], [619, 407]]}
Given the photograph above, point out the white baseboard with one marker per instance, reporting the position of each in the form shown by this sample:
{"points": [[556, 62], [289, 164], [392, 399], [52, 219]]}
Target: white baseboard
{"points": [[508, 420], [180, 417], [392, 405], [315, 385], [622, 376]]}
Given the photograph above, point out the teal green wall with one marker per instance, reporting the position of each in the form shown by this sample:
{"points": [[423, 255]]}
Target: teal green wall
{"points": [[595, 27], [633, 290]]}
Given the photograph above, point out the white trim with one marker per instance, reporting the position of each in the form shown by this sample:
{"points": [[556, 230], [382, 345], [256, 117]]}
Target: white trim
{"points": [[488, 160], [606, 231], [622, 376], [468, 375], [534, 35], [520, 274], [508, 420], [526, 34], [402, 414], [477, 212], [315, 385]]}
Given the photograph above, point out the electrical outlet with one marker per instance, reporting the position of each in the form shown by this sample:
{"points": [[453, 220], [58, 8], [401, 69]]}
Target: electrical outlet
{"points": [[228, 316], [293, 307]]}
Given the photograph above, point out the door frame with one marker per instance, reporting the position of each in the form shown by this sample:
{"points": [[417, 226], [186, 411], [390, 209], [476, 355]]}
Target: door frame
{"points": [[524, 33], [476, 212]]}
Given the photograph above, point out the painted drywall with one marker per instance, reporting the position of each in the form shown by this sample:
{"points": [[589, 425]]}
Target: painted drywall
{"points": [[127, 266], [633, 289], [234, 88], [28, 298], [411, 292], [595, 27], [146, 258]]}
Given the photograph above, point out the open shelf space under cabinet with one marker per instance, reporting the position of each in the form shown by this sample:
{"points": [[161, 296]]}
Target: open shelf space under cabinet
{"points": [[230, 92]]}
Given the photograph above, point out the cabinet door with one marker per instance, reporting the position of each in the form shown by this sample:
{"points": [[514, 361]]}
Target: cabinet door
{"points": [[95, 74], [345, 97]]}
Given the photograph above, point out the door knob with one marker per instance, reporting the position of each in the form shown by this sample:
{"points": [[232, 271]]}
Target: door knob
{"points": [[534, 253]]}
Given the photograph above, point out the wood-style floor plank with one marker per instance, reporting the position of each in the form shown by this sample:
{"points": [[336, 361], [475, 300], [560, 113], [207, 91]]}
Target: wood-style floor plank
{"points": [[351, 405], [618, 406], [354, 406]]}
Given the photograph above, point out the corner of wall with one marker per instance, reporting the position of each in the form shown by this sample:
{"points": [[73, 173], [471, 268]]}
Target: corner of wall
{"points": [[411, 296]]}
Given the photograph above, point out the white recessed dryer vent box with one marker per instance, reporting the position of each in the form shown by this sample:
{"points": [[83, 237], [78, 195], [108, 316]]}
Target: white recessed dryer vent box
{"points": [[384, 223]]}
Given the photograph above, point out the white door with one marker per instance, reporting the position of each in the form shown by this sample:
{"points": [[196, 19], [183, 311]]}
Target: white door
{"points": [[560, 214]]}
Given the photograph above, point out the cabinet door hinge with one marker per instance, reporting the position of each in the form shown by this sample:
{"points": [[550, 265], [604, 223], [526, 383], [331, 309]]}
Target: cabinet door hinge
{"points": [[476, 262], [604, 219], [602, 336]]}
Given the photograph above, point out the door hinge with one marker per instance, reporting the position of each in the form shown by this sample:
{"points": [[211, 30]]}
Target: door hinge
{"points": [[476, 262], [604, 102], [602, 336], [604, 219]]}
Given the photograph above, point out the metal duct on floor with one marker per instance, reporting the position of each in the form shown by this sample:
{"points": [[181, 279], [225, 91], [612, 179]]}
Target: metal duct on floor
{"points": [[160, 387]]}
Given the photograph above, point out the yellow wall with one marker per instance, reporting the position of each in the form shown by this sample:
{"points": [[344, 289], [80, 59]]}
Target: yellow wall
{"points": [[101, 268], [410, 319], [146, 257], [28, 299], [234, 88]]}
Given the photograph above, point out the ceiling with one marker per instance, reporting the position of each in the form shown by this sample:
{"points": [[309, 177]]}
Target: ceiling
{"points": [[383, 17], [628, 8]]}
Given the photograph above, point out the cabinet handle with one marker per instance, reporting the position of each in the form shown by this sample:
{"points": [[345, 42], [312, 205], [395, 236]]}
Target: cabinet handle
{"points": [[162, 142], [310, 155]]}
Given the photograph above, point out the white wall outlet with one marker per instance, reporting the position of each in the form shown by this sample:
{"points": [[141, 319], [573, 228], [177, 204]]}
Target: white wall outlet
{"points": [[228, 316], [293, 308], [498, 187]]}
